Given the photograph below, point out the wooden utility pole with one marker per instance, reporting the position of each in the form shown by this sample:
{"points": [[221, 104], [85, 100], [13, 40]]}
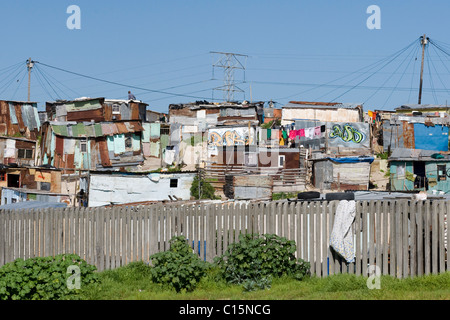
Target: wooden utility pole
{"points": [[424, 41], [30, 64]]}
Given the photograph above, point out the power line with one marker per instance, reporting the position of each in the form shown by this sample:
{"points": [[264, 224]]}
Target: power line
{"points": [[121, 84], [370, 66], [365, 79]]}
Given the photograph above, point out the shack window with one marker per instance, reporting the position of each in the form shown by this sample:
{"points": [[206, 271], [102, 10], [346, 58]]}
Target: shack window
{"points": [[174, 183], [2, 176], [45, 186], [281, 161], [442, 172], [25, 153], [83, 146], [128, 142], [115, 109]]}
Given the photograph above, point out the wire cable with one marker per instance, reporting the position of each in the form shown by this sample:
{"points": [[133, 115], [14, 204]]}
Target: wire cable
{"points": [[121, 84], [386, 64]]}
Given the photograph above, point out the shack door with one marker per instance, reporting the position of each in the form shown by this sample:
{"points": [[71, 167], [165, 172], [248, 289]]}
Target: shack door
{"points": [[13, 180]]}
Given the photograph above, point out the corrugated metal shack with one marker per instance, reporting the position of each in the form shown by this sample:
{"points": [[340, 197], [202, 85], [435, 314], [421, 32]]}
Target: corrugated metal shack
{"points": [[99, 133], [189, 125], [96, 109], [428, 132], [345, 173], [321, 111], [419, 170], [16, 195], [115, 188], [285, 167], [18, 151], [92, 146], [248, 187], [19, 119]]}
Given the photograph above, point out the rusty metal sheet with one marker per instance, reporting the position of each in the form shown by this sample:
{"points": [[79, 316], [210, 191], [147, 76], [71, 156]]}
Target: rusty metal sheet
{"points": [[121, 127], [104, 154], [86, 115], [408, 135]]}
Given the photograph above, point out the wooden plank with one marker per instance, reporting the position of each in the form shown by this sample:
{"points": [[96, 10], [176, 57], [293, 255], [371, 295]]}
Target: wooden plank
{"points": [[108, 237], [77, 214], [364, 239], [219, 213], [311, 212], [392, 241], [129, 236], [146, 234], [3, 233], [298, 239], [153, 235], [398, 239], [442, 212], [317, 237], [405, 240], [427, 254], [47, 231], [434, 237], [385, 249], [371, 235], [413, 238], [331, 215], [100, 231], [226, 226], [324, 220], [420, 237], [378, 240]]}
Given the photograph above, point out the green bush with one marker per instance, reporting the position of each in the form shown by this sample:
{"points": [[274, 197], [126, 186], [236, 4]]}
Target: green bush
{"points": [[44, 278], [207, 191], [179, 267], [255, 259]]}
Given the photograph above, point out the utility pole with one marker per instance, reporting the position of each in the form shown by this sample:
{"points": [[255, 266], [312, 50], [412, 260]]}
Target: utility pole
{"points": [[30, 65], [229, 62], [424, 42]]}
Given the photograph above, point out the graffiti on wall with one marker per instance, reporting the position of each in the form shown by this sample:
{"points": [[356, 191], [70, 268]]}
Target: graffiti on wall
{"points": [[230, 137], [347, 133]]}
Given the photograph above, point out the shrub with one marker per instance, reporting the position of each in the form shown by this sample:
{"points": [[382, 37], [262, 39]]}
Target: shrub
{"points": [[179, 267], [43, 278], [207, 191], [255, 259]]}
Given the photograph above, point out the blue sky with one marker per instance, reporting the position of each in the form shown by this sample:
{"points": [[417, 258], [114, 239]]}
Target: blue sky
{"points": [[164, 46]]}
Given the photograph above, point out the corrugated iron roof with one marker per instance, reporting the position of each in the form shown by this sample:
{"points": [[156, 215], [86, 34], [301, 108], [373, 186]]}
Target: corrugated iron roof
{"points": [[92, 130], [321, 105], [415, 155], [416, 106]]}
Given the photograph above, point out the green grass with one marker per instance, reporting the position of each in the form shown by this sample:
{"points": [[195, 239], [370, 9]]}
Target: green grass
{"points": [[133, 282]]}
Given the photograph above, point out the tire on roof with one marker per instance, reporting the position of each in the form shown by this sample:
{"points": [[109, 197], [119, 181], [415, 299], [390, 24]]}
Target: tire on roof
{"points": [[340, 196], [308, 195]]}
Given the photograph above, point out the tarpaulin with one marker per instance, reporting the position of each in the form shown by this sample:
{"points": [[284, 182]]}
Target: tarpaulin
{"points": [[352, 159]]}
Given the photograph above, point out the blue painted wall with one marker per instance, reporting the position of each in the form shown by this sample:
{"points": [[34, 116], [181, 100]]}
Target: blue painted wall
{"points": [[431, 138]]}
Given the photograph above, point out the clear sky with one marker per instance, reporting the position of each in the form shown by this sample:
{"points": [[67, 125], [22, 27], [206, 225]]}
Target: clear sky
{"points": [[319, 50]]}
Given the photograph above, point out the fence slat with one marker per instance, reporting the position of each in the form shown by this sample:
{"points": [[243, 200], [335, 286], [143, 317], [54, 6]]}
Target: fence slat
{"points": [[442, 211], [427, 254], [420, 235], [406, 261], [412, 238]]}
